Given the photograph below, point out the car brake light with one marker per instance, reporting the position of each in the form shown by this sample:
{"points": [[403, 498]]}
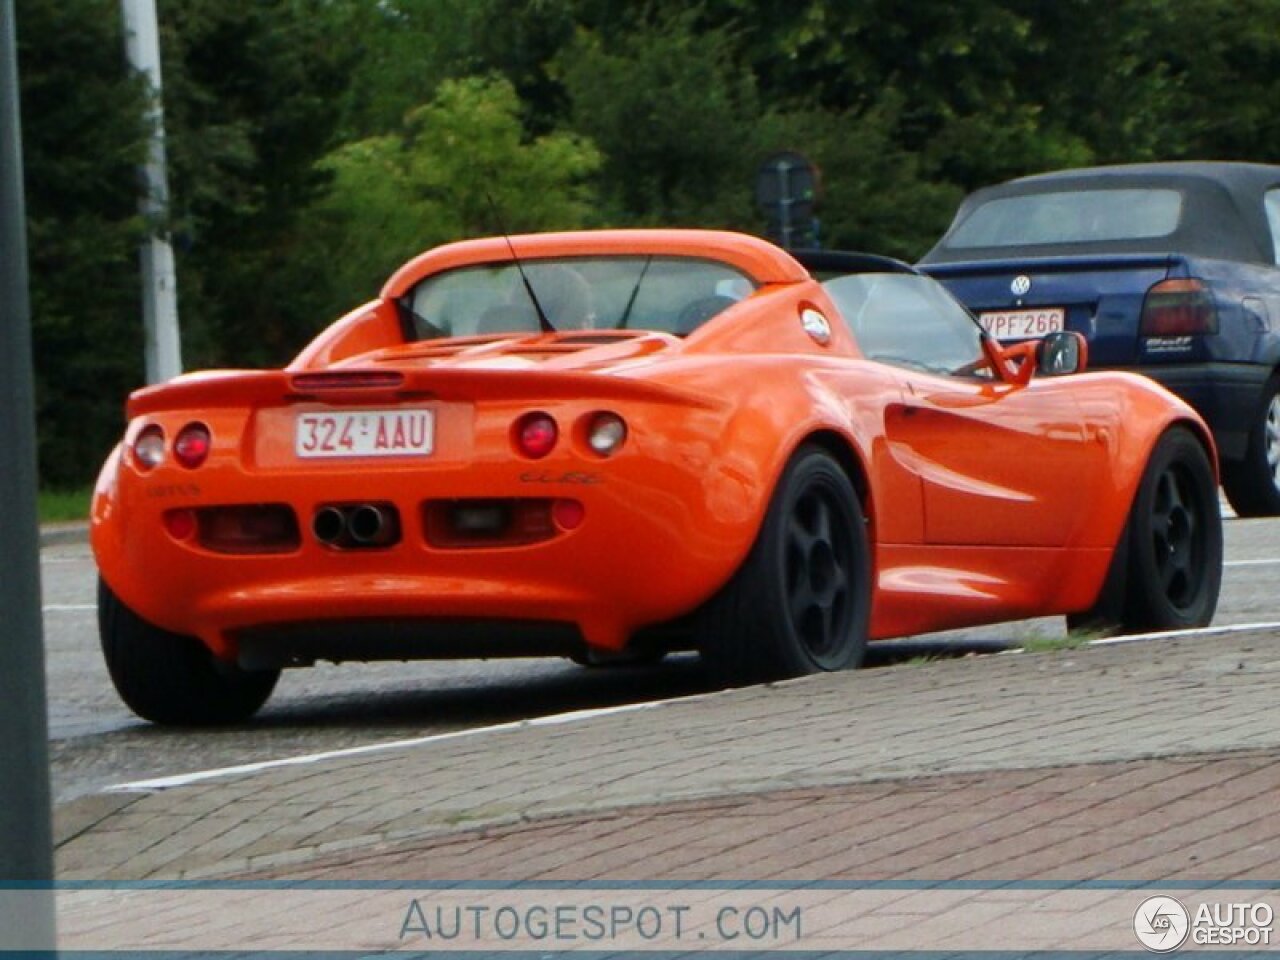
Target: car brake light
{"points": [[536, 435], [1178, 307], [191, 448], [349, 380], [148, 449], [606, 433]]}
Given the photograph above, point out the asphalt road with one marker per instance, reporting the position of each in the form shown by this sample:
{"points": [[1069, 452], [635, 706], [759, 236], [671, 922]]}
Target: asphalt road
{"points": [[95, 741]]}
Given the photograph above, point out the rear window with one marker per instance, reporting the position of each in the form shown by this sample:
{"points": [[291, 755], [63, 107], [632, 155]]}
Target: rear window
{"points": [[667, 294], [1076, 216]]}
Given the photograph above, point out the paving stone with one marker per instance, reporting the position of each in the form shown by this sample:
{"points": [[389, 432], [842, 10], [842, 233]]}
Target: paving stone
{"points": [[968, 767]]}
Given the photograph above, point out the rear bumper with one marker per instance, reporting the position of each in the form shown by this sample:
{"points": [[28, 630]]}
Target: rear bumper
{"points": [[645, 553], [1225, 394]]}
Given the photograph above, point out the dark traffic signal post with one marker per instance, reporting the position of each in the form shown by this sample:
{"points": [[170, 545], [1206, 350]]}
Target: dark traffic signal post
{"points": [[786, 190]]}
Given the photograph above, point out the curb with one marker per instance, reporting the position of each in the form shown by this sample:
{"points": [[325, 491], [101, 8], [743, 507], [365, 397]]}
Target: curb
{"points": [[54, 534]]}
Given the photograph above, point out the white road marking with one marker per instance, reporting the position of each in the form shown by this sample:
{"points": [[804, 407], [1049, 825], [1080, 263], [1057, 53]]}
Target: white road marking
{"points": [[1178, 634], [185, 779], [200, 776], [1253, 563], [68, 607]]}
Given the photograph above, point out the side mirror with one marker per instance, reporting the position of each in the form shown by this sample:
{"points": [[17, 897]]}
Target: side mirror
{"points": [[1056, 355], [1061, 353]]}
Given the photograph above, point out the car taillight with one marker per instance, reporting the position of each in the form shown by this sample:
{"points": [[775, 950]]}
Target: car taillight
{"points": [[148, 448], [1178, 307], [535, 435], [180, 523], [606, 433], [191, 447], [568, 514]]}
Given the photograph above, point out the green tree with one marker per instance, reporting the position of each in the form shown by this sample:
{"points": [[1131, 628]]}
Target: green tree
{"points": [[82, 138], [459, 166], [876, 195], [250, 93], [673, 114], [1219, 66]]}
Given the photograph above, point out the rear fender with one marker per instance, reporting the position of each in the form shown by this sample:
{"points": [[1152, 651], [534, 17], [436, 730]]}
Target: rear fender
{"points": [[1128, 414], [759, 441]]}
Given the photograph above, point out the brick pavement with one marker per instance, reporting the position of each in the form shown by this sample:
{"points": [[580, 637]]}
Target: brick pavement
{"points": [[1039, 765], [1185, 819]]}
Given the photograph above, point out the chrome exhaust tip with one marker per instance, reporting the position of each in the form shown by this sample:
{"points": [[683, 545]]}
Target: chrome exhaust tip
{"points": [[328, 525], [366, 523]]}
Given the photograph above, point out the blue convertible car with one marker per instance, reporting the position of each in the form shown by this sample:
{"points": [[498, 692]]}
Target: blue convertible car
{"points": [[1168, 269]]}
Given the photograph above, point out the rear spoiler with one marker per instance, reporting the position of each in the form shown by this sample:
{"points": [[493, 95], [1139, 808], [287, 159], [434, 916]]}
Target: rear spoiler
{"points": [[380, 384]]}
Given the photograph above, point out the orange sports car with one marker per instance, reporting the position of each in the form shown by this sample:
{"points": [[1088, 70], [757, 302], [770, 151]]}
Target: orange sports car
{"points": [[607, 445]]}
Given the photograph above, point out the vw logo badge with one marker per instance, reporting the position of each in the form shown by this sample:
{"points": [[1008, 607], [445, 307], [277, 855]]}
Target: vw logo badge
{"points": [[1021, 284]]}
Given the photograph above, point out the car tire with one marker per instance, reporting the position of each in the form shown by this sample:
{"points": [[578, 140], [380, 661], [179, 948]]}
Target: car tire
{"points": [[800, 602], [1252, 485], [1167, 568], [172, 679]]}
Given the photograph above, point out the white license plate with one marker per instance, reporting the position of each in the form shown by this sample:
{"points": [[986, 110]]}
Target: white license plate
{"points": [[1023, 324], [364, 433]]}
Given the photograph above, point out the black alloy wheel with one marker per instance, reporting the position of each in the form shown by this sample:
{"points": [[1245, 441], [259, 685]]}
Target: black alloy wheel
{"points": [[1166, 571], [800, 602]]}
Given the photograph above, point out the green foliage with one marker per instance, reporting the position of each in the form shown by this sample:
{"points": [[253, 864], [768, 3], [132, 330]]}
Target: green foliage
{"points": [[250, 87], [875, 195], [315, 144], [671, 112], [459, 166], [63, 506], [82, 136]]}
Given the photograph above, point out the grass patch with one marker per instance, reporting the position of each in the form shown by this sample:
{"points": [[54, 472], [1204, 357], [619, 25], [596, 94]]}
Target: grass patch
{"points": [[61, 506], [1041, 643], [919, 660]]}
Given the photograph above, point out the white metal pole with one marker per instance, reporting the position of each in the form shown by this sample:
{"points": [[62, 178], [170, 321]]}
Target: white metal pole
{"points": [[159, 280]]}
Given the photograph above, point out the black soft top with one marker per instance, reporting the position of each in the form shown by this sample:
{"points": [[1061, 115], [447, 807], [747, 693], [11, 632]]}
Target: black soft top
{"points": [[1222, 214]]}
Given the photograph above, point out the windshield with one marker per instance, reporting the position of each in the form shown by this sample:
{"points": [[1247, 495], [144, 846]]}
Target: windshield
{"points": [[909, 321], [668, 294], [1076, 216]]}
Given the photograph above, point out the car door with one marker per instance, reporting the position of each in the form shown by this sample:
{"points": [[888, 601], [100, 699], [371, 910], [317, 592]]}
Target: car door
{"points": [[999, 464]]}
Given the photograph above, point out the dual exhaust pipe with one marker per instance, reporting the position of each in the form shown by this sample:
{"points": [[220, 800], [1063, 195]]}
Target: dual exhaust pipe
{"points": [[355, 525]]}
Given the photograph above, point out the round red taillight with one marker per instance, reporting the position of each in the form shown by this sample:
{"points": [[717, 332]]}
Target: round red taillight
{"points": [[536, 435], [191, 447], [606, 433], [181, 524], [568, 514], [148, 448]]}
